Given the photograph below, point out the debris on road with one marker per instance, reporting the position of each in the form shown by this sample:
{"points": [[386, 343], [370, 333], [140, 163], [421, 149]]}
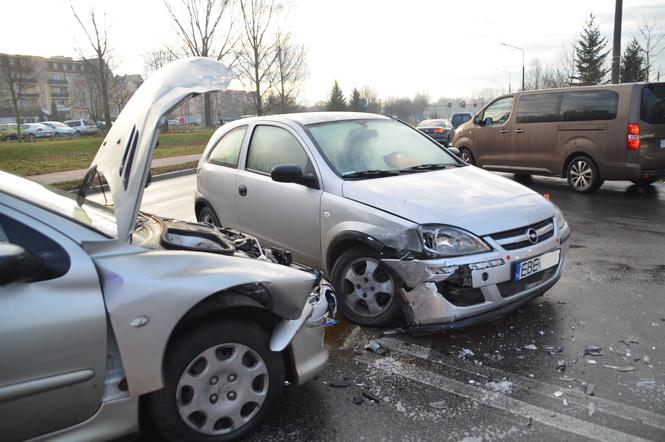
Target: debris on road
{"points": [[531, 347], [399, 407], [357, 400], [561, 365], [589, 389], [439, 405], [558, 393], [377, 348], [371, 396], [553, 351], [617, 368], [502, 386], [341, 383], [591, 361], [592, 408], [646, 359], [464, 353], [630, 340], [593, 350]]}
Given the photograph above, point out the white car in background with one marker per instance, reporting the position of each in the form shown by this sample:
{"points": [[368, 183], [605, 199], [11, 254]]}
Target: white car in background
{"points": [[61, 129], [36, 130], [83, 126]]}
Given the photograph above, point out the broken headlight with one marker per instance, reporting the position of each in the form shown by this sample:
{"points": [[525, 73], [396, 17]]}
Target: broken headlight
{"points": [[441, 240]]}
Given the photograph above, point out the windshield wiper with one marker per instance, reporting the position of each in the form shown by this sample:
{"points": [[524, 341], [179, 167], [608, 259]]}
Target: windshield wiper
{"points": [[370, 173], [428, 166]]}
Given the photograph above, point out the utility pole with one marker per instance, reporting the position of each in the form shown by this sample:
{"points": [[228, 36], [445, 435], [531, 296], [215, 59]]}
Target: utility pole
{"points": [[616, 48]]}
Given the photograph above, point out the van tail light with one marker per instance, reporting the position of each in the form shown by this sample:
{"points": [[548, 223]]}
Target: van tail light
{"points": [[633, 141]]}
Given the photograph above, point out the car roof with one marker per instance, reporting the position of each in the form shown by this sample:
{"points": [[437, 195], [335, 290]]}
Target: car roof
{"points": [[306, 118]]}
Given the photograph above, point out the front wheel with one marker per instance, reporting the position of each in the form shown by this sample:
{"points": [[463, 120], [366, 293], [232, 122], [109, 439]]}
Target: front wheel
{"points": [[583, 175], [366, 291], [207, 215], [31, 136], [219, 382], [466, 156]]}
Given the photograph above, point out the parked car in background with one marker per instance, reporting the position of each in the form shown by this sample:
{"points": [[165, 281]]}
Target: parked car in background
{"points": [[36, 130], [585, 134], [458, 119], [8, 132], [438, 129], [402, 227], [200, 325], [83, 126], [60, 129]]}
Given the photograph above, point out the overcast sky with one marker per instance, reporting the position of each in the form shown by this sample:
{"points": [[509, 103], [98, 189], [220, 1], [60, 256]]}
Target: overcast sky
{"points": [[447, 48]]}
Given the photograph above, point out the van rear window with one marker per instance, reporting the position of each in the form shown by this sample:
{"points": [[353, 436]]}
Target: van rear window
{"points": [[653, 104], [589, 105]]}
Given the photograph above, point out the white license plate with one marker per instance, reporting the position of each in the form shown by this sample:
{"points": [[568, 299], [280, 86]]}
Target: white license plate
{"points": [[531, 266], [662, 144]]}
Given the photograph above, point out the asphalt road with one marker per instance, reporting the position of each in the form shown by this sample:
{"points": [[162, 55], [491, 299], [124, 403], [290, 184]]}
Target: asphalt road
{"points": [[611, 295]]}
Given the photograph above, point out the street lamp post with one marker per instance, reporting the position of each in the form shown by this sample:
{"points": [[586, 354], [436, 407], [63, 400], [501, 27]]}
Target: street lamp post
{"points": [[509, 80], [521, 49]]}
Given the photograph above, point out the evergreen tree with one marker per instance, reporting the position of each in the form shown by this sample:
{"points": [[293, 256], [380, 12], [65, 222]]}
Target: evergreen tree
{"points": [[590, 55], [632, 64], [356, 104], [336, 100], [54, 112]]}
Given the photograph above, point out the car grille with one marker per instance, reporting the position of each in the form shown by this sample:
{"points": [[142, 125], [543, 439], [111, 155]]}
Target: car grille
{"points": [[519, 238], [510, 288]]}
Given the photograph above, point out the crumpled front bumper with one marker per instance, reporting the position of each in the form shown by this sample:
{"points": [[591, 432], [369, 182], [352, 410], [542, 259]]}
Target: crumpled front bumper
{"points": [[449, 293], [305, 336]]}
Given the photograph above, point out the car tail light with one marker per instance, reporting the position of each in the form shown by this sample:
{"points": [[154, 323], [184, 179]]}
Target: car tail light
{"points": [[633, 141], [438, 131]]}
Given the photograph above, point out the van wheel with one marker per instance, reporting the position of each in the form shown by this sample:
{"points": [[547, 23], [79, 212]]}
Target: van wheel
{"points": [[583, 175], [466, 156], [644, 182], [207, 215], [365, 290], [219, 382]]}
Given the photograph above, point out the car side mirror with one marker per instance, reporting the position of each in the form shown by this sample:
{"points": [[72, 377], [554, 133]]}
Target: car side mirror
{"points": [[18, 265], [292, 173], [454, 151]]}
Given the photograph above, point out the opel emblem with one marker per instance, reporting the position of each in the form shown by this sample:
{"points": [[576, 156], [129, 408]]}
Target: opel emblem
{"points": [[532, 235]]}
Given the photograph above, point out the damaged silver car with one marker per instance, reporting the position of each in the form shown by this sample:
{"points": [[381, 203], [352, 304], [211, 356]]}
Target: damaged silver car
{"points": [[103, 308], [400, 224]]}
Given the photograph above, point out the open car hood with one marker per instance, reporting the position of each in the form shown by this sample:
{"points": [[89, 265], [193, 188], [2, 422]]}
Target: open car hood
{"points": [[125, 155]]}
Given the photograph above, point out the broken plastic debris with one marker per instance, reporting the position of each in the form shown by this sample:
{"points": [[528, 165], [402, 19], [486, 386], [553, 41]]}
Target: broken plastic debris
{"points": [[553, 351], [342, 383], [592, 408], [630, 340], [503, 386], [464, 353], [371, 396], [531, 347], [401, 408], [558, 393], [589, 389], [561, 365], [375, 347], [330, 322], [591, 361], [617, 368], [593, 350], [357, 400], [646, 359], [439, 405]]}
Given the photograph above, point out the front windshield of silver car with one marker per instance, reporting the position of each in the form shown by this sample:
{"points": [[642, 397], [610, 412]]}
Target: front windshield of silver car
{"points": [[366, 148]]}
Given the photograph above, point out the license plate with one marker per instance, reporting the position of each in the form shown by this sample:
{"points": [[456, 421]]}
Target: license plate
{"points": [[531, 266], [662, 144]]}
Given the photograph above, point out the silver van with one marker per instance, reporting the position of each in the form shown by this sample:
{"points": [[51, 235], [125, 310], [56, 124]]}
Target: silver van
{"points": [[585, 134]]}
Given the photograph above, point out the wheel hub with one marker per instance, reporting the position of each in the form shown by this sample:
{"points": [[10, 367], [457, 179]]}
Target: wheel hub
{"points": [[368, 288]]}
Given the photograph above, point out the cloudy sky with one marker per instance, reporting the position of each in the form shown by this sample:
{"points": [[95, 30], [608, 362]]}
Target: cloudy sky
{"points": [[447, 48]]}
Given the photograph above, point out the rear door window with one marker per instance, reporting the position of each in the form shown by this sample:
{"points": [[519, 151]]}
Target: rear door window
{"points": [[653, 104], [539, 108], [227, 150], [589, 105]]}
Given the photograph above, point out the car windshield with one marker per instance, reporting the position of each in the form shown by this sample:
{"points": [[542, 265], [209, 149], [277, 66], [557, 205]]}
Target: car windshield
{"points": [[91, 214], [352, 146]]}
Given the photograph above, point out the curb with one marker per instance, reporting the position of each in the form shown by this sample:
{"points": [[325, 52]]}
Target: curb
{"points": [[160, 177]]}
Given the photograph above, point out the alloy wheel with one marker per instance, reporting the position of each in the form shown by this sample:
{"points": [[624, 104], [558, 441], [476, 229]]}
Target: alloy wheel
{"points": [[581, 174], [222, 389], [368, 288]]}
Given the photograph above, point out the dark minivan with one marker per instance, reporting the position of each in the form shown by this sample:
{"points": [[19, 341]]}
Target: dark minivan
{"points": [[585, 134]]}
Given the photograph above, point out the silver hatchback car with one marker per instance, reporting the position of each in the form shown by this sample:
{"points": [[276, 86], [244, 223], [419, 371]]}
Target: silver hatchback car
{"points": [[101, 308], [399, 224]]}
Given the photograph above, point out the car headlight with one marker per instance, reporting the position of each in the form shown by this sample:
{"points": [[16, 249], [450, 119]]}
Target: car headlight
{"points": [[440, 240], [559, 218]]}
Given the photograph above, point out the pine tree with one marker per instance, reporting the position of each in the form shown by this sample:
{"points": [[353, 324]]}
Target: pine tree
{"points": [[632, 64], [356, 104], [54, 112], [590, 55], [336, 100]]}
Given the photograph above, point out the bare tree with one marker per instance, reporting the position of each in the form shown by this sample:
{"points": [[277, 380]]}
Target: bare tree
{"points": [[99, 66], [156, 58], [371, 99], [16, 71], [199, 24], [652, 42], [257, 52], [420, 103], [289, 71], [563, 73]]}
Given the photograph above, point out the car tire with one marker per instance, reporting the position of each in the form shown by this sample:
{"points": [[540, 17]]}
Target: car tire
{"points": [[207, 215], [57, 135], [358, 278], [214, 359], [31, 136], [642, 182], [466, 156], [583, 175]]}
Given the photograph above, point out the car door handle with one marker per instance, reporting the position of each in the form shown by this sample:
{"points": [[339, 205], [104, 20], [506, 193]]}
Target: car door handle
{"points": [[503, 131], [242, 190], [519, 131]]}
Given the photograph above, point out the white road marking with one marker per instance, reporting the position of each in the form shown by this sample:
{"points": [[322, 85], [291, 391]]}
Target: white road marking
{"points": [[498, 401], [574, 396]]}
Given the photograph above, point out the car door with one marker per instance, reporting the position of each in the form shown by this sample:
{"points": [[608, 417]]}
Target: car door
{"points": [[52, 334], [534, 134], [216, 179], [285, 215], [492, 147]]}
